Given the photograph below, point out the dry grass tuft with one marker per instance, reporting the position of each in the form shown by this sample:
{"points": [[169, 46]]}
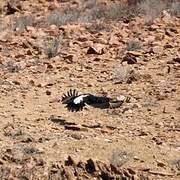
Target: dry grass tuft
{"points": [[60, 18], [123, 74], [21, 23], [176, 164], [175, 8], [51, 47], [151, 9], [113, 12], [133, 45], [98, 26], [119, 157]]}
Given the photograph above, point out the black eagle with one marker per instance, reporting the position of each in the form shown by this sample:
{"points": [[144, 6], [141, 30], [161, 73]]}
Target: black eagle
{"points": [[75, 102]]}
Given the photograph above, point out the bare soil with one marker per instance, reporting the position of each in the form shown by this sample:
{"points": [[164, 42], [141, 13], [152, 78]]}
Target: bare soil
{"points": [[40, 139]]}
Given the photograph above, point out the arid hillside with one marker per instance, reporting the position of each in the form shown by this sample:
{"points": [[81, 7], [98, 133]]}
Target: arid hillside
{"points": [[106, 48]]}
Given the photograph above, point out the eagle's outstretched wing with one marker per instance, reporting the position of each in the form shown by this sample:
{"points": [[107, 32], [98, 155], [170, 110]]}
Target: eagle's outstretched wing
{"points": [[71, 94], [104, 102], [75, 102], [101, 102]]}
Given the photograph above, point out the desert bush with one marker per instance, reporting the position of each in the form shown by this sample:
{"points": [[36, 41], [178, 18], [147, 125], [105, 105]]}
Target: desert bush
{"points": [[123, 74], [175, 164], [20, 23], [133, 45], [89, 4], [119, 157], [12, 66], [62, 18], [97, 12], [151, 9], [3, 25], [119, 11], [51, 46], [112, 12], [92, 11], [32, 150], [175, 8], [98, 26]]}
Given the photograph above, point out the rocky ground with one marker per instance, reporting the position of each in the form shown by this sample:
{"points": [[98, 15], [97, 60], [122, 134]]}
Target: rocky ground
{"points": [[45, 51]]}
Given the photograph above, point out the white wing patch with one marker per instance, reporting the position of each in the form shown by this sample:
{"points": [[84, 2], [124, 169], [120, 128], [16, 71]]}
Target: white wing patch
{"points": [[79, 99]]}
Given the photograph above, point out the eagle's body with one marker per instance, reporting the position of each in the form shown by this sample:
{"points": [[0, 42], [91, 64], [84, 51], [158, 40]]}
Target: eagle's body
{"points": [[79, 99], [75, 102]]}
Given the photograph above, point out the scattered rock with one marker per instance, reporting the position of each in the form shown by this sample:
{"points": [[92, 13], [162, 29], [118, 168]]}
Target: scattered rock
{"points": [[13, 6], [129, 58], [91, 166], [160, 163], [157, 140], [48, 92], [177, 60], [70, 161], [59, 120], [69, 58], [55, 100], [98, 49], [73, 128], [32, 150]]}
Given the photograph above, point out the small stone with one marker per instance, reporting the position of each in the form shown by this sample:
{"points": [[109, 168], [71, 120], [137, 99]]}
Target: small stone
{"points": [[16, 82], [31, 82], [177, 60], [54, 100], [158, 49], [48, 92], [129, 58], [160, 163], [108, 140], [70, 161], [98, 49], [76, 136], [91, 166], [136, 158], [135, 53], [121, 98]]}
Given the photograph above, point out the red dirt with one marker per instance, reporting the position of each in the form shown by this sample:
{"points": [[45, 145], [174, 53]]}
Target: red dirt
{"points": [[141, 139]]}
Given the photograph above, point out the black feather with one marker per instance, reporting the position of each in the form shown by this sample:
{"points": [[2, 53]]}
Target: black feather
{"points": [[69, 101], [101, 102]]}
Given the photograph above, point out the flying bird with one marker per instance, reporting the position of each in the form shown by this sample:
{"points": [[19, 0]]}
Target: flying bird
{"points": [[76, 102]]}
